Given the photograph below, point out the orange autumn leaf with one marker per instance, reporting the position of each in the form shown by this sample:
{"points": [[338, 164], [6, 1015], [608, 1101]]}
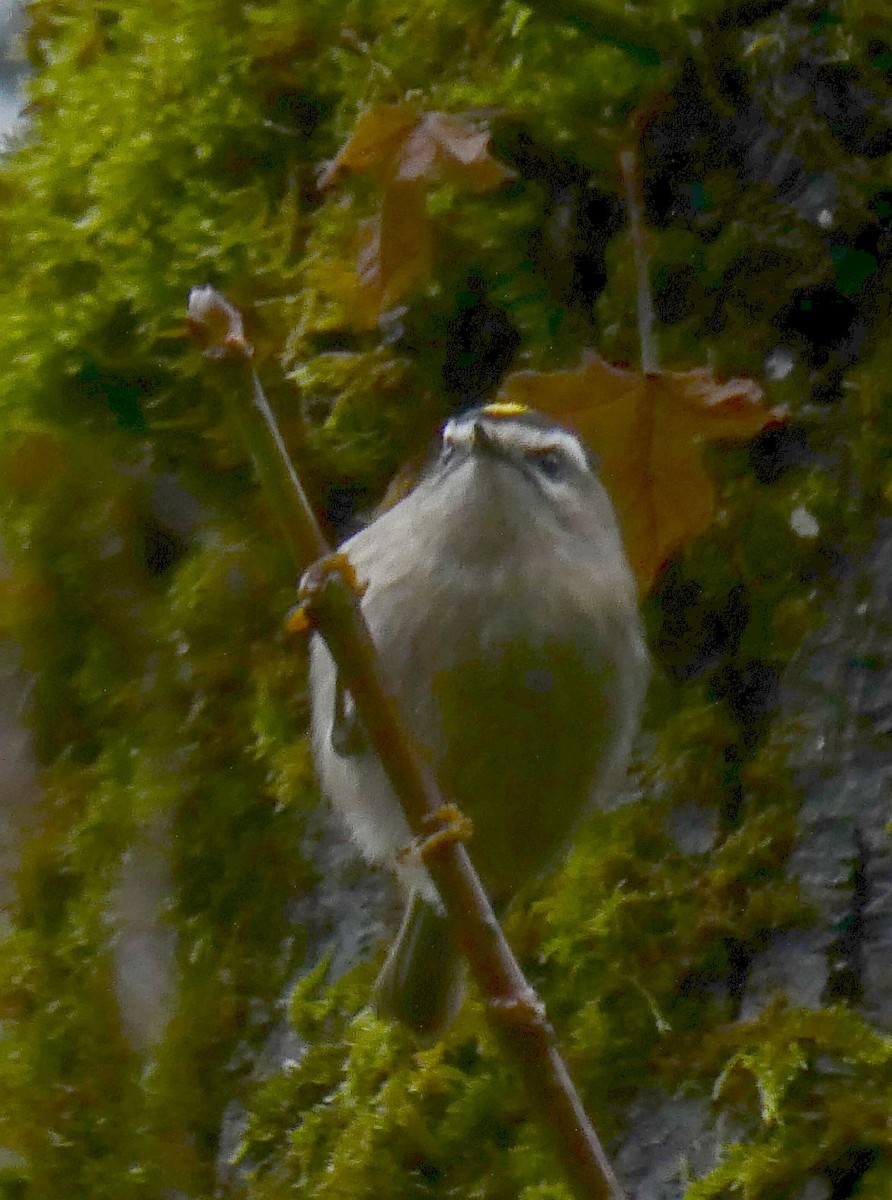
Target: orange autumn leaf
{"points": [[373, 145], [395, 252], [406, 152], [397, 142], [446, 149], [649, 432]]}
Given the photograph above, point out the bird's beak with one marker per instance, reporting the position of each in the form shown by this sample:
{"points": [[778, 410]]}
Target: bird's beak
{"points": [[484, 443]]}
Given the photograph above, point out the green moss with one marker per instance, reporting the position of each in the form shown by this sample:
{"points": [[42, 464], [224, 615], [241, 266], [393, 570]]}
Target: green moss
{"points": [[791, 1076]]}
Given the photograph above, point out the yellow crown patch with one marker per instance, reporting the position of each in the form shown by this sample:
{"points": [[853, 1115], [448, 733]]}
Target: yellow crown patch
{"points": [[507, 408]]}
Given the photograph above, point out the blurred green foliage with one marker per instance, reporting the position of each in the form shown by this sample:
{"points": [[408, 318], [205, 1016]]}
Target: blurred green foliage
{"points": [[177, 143]]}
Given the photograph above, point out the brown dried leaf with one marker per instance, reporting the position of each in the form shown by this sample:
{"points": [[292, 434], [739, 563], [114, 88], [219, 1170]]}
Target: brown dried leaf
{"points": [[445, 149], [394, 142], [374, 144], [405, 152], [395, 253], [649, 431]]}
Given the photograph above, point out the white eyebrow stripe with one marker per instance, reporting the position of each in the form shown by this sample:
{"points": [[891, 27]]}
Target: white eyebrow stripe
{"points": [[527, 438], [537, 440]]}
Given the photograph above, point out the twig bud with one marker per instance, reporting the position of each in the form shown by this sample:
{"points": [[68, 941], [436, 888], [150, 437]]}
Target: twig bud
{"points": [[217, 324]]}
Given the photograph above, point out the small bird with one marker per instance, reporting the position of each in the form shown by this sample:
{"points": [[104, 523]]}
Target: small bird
{"points": [[502, 604]]}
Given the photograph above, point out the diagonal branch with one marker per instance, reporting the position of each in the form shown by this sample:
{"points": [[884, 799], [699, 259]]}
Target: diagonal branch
{"points": [[331, 600]]}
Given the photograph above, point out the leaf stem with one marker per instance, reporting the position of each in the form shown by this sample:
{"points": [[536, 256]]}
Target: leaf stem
{"points": [[650, 359], [334, 604]]}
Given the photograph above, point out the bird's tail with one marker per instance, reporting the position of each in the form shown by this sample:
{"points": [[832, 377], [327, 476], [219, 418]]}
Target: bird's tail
{"points": [[422, 981]]}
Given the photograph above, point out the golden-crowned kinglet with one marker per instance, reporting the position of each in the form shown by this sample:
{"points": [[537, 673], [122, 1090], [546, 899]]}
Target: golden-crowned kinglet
{"points": [[503, 607]]}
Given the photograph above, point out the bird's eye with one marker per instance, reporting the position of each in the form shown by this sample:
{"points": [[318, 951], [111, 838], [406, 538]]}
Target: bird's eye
{"points": [[549, 462]]}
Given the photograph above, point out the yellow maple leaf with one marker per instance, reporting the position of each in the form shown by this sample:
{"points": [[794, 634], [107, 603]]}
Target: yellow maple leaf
{"points": [[649, 432]]}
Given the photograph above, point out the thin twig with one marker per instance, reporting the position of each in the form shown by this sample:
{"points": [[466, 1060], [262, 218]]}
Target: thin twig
{"points": [[332, 598], [650, 359]]}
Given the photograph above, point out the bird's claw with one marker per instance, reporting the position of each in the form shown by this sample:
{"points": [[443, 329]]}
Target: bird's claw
{"points": [[443, 827]]}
